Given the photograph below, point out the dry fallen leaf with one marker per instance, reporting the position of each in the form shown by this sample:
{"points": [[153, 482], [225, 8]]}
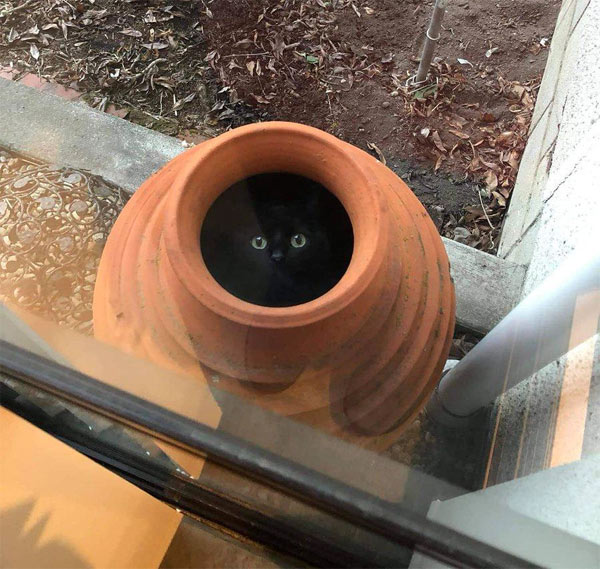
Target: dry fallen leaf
{"points": [[12, 35], [513, 160], [131, 32], [183, 101], [460, 134], [500, 198], [438, 162], [518, 90], [34, 51], [375, 148], [535, 49], [491, 180], [506, 138], [260, 99], [438, 141], [487, 163], [457, 121], [121, 113], [461, 234], [155, 45], [250, 67]]}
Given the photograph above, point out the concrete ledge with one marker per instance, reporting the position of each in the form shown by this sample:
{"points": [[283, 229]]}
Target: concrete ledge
{"points": [[487, 287], [75, 136]]}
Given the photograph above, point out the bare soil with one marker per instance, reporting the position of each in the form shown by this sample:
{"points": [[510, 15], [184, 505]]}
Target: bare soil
{"points": [[343, 67], [197, 67]]}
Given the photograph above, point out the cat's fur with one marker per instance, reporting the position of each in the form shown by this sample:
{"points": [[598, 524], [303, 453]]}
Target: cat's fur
{"points": [[277, 206]]}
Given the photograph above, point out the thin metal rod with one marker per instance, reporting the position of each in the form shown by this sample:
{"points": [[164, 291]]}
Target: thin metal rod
{"points": [[391, 521], [432, 36], [556, 317]]}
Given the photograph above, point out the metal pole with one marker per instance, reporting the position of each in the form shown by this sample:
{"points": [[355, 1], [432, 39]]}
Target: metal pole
{"points": [[432, 36], [560, 314]]}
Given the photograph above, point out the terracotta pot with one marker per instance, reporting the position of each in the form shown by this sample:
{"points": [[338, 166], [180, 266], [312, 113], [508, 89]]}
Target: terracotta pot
{"points": [[363, 358]]}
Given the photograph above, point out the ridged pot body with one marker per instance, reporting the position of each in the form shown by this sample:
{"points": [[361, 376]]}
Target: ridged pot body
{"points": [[361, 360]]}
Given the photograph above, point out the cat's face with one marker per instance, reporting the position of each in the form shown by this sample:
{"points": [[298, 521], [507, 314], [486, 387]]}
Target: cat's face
{"points": [[277, 240]]}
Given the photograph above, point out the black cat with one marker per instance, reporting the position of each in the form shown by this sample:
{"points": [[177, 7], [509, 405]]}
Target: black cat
{"points": [[277, 240]]}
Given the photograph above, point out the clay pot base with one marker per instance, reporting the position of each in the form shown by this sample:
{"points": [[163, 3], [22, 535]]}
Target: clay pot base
{"points": [[359, 361]]}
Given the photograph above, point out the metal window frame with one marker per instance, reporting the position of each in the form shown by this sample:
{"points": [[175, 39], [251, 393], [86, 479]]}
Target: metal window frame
{"points": [[391, 521]]}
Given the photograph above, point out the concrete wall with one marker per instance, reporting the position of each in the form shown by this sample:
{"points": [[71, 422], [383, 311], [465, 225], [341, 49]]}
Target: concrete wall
{"points": [[555, 194]]}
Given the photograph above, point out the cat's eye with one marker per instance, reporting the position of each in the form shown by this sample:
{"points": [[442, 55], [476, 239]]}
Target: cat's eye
{"points": [[259, 242], [298, 240]]}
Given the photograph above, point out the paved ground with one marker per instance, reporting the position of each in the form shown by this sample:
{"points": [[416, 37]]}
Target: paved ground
{"points": [[53, 225]]}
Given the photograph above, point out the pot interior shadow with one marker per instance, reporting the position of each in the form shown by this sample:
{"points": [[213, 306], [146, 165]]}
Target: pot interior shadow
{"points": [[277, 239]]}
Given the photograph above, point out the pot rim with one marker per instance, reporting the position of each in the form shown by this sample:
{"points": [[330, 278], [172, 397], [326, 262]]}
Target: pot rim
{"points": [[325, 158]]}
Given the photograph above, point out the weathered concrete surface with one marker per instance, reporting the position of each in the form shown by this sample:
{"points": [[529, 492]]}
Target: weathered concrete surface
{"points": [[75, 136], [487, 287], [570, 216], [556, 203], [568, 104]]}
